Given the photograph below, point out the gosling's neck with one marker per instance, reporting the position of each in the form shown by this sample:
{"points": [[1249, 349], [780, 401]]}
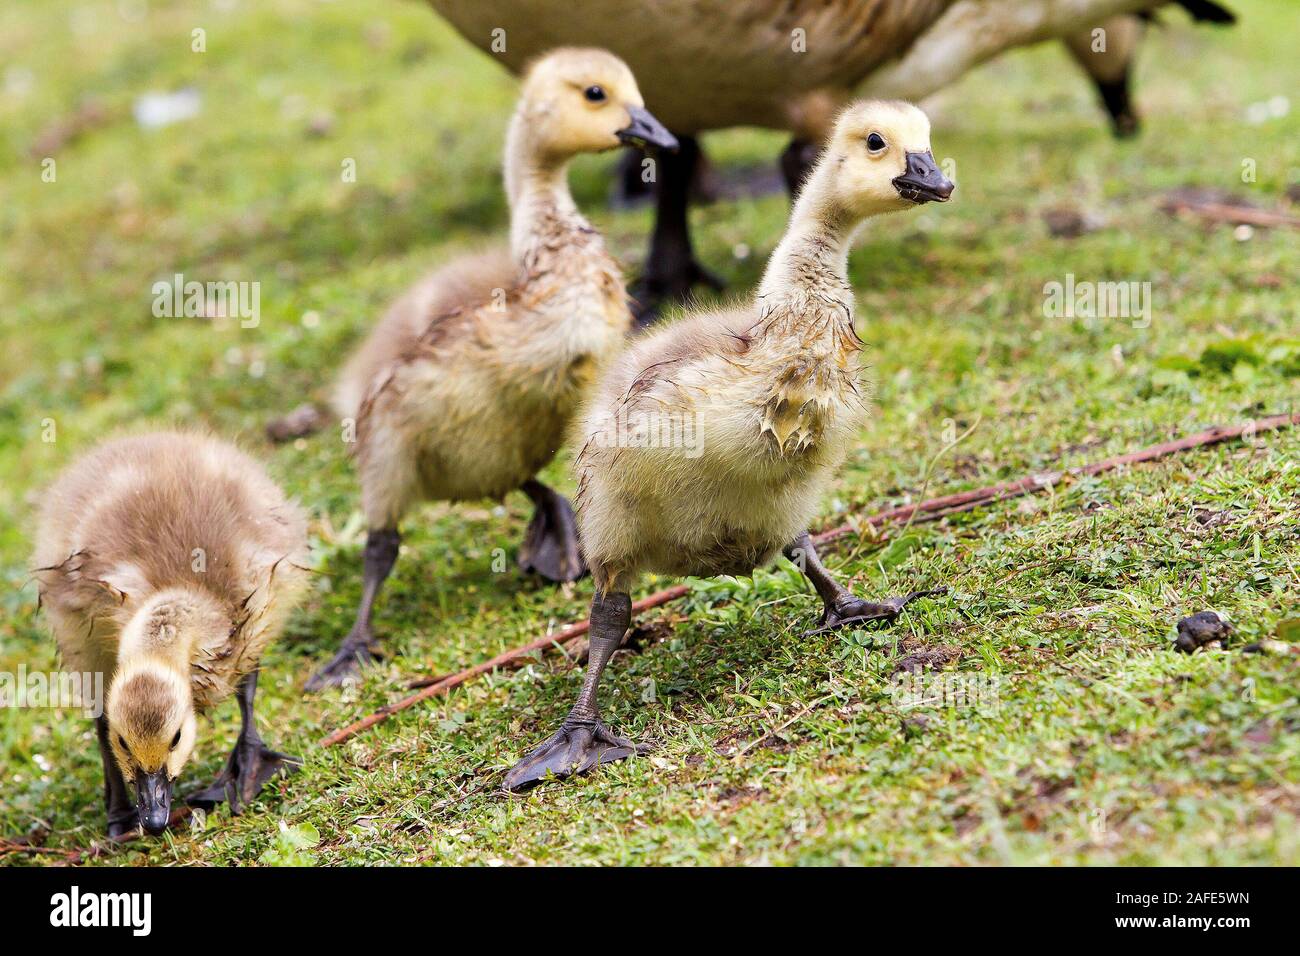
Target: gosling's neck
{"points": [[542, 211], [167, 628], [805, 288]]}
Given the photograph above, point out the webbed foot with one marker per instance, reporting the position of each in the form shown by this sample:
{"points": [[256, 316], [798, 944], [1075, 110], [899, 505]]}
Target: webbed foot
{"points": [[575, 748], [346, 664], [122, 822], [854, 610], [248, 768], [550, 546]]}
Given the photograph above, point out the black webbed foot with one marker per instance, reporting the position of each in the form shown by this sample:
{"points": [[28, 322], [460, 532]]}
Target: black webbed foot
{"points": [[577, 747], [651, 294], [550, 545], [248, 768], [853, 610], [1124, 121], [346, 664], [123, 822]]}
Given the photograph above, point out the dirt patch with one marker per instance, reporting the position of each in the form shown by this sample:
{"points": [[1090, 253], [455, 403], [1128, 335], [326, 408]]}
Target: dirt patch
{"points": [[739, 740], [1210, 518], [1070, 222], [918, 658]]}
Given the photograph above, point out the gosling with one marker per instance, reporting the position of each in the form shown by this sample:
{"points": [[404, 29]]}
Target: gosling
{"points": [[769, 395], [469, 383], [168, 562]]}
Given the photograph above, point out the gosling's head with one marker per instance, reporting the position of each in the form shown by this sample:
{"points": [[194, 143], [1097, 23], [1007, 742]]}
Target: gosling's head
{"points": [[150, 713], [580, 100], [880, 160]]}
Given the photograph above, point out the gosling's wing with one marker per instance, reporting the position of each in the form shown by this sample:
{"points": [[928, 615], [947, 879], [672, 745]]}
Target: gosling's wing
{"points": [[423, 319], [655, 376]]}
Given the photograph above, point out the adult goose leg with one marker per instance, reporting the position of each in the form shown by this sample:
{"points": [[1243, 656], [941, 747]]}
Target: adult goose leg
{"points": [[797, 160], [122, 814], [360, 646], [583, 741], [551, 545], [671, 270], [250, 765], [842, 607]]}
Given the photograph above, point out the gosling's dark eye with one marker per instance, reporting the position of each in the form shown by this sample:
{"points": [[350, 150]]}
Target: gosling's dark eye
{"points": [[121, 740], [875, 142], [176, 740], [595, 94]]}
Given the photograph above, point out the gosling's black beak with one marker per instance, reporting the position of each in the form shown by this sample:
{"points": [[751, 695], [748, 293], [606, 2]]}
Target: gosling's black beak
{"points": [[153, 799], [646, 132], [923, 182]]}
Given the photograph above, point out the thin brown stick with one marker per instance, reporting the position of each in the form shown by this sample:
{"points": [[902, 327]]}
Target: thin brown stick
{"points": [[18, 846], [576, 629], [1235, 215], [931, 509], [96, 850]]}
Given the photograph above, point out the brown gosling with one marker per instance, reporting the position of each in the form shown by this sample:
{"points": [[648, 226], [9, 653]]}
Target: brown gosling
{"points": [[168, 562], [709, 444], [468, 385]]}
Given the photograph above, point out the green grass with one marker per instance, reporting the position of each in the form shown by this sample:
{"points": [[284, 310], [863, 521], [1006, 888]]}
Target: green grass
{"points": [[1101, 745]]}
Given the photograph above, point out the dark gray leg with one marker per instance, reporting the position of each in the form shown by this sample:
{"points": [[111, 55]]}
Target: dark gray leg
{"points": [[1115, 97], [551, 545], [583, 742], [360, 646], [796, 162], [122, 814], [250, 765], [841, 606], [630, 188], [671, 270]]}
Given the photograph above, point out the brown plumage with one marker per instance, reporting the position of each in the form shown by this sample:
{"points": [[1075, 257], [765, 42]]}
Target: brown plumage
{"points": [[789, 65], [762, 73], [166, 562], [467, 386]]}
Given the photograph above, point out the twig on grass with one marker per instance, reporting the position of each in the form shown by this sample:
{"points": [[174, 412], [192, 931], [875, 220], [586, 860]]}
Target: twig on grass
{"points": [[98, 849], [932, 509], [576, 629], [1232, 214]]}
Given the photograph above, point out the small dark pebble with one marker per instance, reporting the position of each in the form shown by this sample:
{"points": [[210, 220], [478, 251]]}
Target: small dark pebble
{"points": [[1200, 629], [1065, 222], [302, 421], [916, 726]]}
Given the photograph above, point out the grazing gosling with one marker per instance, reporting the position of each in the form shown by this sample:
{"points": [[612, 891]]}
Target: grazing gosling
{"points": [[767, 395], [169, 561], [468, 385]]}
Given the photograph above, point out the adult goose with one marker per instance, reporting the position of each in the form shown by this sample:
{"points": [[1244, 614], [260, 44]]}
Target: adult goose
{"points": [[790, 65]]}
